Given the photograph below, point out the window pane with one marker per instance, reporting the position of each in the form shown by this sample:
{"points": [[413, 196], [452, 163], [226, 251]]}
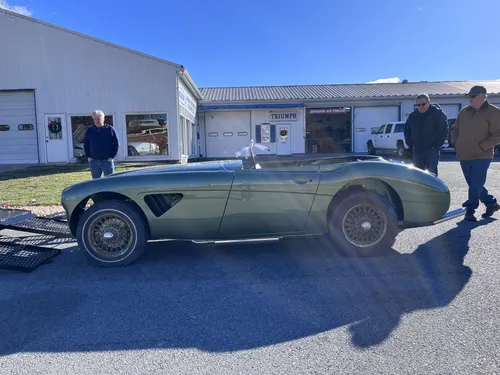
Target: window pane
{"points": [[147, 134]]}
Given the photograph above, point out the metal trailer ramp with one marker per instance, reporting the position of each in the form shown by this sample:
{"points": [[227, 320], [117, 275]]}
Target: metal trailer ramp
{"points": [[43, 225], [23, 257]]}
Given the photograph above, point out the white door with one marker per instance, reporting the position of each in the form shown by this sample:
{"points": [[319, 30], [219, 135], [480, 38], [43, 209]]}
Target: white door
{"points": [[365, 118], [377, 139], [18, 128], [227, 132], [55, 138], [451, 110], [283, 144], [386, 141]]}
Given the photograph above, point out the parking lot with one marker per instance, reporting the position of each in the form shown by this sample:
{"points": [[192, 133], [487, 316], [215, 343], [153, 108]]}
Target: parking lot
{"points": [[297, 307]]}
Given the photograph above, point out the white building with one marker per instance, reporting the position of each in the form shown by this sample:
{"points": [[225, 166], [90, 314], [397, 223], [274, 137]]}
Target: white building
{"points": [[51, 79], [317, 118]]}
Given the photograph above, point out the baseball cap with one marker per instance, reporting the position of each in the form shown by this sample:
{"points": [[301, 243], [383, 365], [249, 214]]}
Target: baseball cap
{"points": [[477, 90]]}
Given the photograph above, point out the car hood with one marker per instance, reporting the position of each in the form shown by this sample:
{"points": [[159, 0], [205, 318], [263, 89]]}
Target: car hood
{"points": [[218, 165]]}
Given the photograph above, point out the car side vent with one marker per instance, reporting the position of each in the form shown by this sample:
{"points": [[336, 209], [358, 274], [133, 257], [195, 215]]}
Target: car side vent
{"points": [[161, 203]]}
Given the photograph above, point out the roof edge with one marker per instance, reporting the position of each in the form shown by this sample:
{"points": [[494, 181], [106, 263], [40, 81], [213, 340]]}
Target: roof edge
{"points": [[348, 84], [186, 78], [206, 102], [86, 36]]}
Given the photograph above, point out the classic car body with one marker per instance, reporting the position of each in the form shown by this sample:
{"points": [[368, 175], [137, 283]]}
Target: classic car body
{"points": [[226, 200]]}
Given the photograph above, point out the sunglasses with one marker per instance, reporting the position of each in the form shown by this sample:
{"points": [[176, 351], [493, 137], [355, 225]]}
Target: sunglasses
{"points": [[421, 104]]}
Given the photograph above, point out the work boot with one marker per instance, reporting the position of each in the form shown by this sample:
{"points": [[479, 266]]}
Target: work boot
{"points": [[490, 210], [469, 215]]}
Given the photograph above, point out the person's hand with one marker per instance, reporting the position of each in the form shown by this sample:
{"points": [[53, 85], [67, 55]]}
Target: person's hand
{"points": [[110, 160], [89, 159]]}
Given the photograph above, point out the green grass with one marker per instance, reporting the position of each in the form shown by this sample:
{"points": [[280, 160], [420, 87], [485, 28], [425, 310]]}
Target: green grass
{"points": [[42, 185]]}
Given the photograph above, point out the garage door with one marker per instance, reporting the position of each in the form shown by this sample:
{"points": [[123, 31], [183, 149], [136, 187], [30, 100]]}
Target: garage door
{"points": [[451, 110], [226, 133], [18, 135], [366, 118]]}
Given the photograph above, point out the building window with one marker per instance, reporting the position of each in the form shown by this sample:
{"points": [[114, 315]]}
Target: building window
{"points": [[79, 126], [213, 134], [4, 128], [147, 134], [265, 133], [228, 134], [25, 127]]}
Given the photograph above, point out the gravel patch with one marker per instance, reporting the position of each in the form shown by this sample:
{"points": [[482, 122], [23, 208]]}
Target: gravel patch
{"points": [[42, 211]]}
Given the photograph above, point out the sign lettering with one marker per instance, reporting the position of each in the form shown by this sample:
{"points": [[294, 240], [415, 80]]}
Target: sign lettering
{"points": [[283, 116], [327, 111], [186, 101]]}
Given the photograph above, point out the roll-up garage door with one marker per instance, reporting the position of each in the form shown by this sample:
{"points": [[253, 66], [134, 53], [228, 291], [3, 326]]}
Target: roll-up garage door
{"points": [[227, 132], [366, 118], [18, 134]]}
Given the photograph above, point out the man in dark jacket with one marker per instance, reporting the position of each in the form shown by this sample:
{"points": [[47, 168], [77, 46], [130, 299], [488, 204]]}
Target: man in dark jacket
{"points": [[425, 132], [475, 134], [101, 146]]}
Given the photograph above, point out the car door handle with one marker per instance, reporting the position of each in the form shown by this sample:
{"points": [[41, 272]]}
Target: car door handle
{"points": [[301, 180]]}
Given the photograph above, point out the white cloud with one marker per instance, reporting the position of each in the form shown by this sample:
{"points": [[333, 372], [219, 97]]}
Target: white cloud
{"points": [[21, 9], [387, 80]]}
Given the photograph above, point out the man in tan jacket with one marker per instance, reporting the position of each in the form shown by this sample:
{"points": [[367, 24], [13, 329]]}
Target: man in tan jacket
{"points": [[475, 134]]}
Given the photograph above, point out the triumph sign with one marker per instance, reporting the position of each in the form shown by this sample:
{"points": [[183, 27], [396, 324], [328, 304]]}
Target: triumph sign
{"points": [[283, 116]]}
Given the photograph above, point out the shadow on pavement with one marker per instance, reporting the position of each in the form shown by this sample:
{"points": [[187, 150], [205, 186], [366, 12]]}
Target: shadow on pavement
{"points": [[235, 298]]}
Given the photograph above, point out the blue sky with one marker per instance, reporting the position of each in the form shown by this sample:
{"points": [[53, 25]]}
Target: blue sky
{"points": [[287, 42]]}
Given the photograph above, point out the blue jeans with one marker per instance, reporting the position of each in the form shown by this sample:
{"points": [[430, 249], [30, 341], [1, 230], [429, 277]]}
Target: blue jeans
{"points": [[99, 167], [475, 172], [426, 159]]}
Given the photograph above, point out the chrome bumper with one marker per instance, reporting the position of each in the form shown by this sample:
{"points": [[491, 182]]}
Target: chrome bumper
{"points": [[451, 215]]}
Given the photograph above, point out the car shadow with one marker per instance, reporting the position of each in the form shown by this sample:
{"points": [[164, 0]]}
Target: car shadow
{"points": [[236, 298]]}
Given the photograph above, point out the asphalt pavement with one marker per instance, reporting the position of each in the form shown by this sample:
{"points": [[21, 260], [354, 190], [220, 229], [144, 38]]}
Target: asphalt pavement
{"points": [[431, 307]]}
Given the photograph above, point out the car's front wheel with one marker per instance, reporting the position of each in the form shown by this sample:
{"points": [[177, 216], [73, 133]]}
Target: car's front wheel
{"points": [[363, 223], [112, 233]]}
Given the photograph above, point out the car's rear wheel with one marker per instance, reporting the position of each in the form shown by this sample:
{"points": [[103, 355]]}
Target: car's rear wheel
{"points": [[363, 223], [112, 233], [371, 149]]}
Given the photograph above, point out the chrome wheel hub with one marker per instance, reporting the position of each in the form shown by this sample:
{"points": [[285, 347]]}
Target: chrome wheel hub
{"points": [[366, 225]]}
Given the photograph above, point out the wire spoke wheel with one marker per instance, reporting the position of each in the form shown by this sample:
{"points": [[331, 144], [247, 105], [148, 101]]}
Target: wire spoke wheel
{"points": [[364, 225], [110, 235]]}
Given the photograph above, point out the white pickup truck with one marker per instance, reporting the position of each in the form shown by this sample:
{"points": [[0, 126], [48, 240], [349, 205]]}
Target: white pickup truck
{"points": [[389, 137]]}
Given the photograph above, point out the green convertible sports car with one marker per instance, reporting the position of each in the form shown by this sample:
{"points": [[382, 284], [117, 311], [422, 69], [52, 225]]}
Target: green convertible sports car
{"points": [[359, 202]]}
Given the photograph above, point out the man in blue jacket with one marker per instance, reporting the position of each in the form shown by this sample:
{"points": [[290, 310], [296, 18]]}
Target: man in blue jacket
{"points": [[101, 146], [425, 132]]}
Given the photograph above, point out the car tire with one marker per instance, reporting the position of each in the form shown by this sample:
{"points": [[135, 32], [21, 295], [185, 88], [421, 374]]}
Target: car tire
{"points": [[401, 151], [371, 149], [112, 220], [358, 214]]}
